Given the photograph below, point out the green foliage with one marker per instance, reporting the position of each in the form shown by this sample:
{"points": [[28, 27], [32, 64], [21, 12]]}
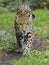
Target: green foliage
{"points": [[7, 41], [12, 5], [36, 58]]}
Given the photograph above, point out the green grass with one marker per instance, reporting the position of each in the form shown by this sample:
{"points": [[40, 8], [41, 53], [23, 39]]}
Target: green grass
{"points": [[37, 58], [41, 22], [7, 20]]}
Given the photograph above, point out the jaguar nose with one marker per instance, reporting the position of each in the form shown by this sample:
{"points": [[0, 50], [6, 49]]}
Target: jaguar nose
{"points": [[24, 32]]}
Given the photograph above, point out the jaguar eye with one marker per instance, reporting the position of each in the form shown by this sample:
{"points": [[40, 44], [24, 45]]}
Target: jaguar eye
{"points": [[21, 13], [29, 15], [27, 23]]}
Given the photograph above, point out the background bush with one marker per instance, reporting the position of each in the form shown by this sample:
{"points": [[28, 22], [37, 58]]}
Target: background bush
{"points": [[12, 5], [3, 10]]}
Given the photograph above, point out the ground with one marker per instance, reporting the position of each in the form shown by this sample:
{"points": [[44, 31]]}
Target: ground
{"points": [[5, 60]]}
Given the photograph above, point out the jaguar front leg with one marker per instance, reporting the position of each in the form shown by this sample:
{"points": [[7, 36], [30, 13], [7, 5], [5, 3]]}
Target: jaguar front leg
{"points": [[29, 45]]}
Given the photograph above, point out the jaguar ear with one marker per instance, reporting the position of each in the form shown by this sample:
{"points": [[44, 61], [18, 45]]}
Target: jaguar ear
{"points": [[33, 16]]}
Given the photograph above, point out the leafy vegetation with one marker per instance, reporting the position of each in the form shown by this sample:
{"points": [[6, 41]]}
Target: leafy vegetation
{"points": [[7, 41], [36, 58]]}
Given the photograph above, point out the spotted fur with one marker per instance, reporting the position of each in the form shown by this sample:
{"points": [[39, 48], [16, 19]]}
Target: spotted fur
{"points": [[24, 28]]}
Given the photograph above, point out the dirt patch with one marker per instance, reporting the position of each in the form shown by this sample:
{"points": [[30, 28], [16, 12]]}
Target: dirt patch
{"points": [[39, 44], [6, 59]]}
